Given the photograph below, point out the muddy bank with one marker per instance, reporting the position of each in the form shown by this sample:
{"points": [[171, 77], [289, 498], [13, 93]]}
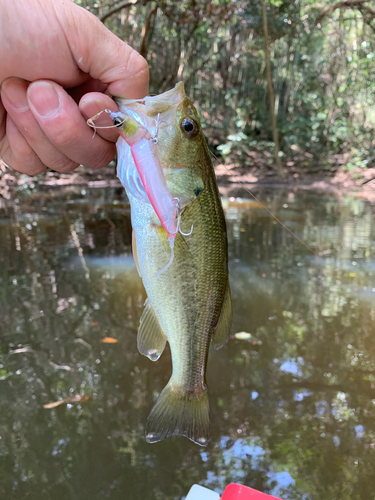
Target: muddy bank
{"points": [[361, 181]]}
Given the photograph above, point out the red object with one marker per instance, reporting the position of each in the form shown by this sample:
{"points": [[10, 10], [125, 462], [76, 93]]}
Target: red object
{"points": [[239, 492]]}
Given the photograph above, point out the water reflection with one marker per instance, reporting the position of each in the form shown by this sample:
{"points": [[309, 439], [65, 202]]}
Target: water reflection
{"points": [[292, 415]]}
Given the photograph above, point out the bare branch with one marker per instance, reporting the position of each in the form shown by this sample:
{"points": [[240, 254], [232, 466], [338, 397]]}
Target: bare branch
{"points": [[145, 31], [342, 4], [369, 10], [116, 8]]}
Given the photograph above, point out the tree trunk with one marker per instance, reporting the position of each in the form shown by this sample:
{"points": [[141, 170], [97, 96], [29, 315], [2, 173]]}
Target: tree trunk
{"points": [[270, 91]]}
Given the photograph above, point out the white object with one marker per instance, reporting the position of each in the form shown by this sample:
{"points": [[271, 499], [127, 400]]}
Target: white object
{"points": [[200, 493]]}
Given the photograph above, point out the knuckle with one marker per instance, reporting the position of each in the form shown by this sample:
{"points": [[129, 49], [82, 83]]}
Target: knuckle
{"points": [[27, 165], [103, 157], [64, 138], [139, 65], [25, 161], [63, 165], [38, 170]]}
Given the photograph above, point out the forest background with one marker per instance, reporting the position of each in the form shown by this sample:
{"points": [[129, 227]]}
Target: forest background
{"points": [[321, 56], [284, 88]]}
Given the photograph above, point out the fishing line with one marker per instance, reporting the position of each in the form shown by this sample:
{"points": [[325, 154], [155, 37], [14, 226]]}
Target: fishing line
{"points": [[169, 263], [264, 207]]}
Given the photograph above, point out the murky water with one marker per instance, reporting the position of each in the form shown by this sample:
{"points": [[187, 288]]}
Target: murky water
{"points": [[292, 409]]}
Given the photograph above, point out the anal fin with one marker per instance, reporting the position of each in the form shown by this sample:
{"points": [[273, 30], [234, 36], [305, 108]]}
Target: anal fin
{"points": [[151, 339], [220, 335]]}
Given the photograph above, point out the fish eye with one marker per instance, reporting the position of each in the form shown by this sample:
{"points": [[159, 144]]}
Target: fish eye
{"points": [[118, 122], [189, 127]]}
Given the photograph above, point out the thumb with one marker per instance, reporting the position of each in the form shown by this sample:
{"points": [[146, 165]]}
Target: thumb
{"points": [[101, 54]]}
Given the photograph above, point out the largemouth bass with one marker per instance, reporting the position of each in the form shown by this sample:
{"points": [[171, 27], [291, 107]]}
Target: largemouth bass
{"points": [[180, 248]]}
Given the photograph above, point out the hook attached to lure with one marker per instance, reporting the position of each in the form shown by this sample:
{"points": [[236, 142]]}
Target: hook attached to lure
{"points": [[171, 238], [179, 213]]}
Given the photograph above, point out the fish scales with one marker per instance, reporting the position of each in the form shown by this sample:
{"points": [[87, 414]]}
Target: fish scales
{"points": [[189, 303]]}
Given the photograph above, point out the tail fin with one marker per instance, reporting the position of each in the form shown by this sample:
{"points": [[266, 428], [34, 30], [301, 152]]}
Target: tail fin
{"points": [[177, 412]]}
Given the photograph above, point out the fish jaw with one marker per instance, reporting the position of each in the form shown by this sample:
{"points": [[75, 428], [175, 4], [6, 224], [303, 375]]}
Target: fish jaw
{"points": [[151, 106]]}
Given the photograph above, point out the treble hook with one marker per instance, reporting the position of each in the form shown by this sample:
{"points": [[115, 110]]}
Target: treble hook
{"points": [[179, 227], [171, 236], [179, 214], [154, 139]]}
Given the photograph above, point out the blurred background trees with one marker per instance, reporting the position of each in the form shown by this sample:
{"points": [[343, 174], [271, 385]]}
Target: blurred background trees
{"points": [[322, 67]]}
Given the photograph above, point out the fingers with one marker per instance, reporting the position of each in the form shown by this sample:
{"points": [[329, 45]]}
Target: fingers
{"points": [[18, 154], [60, 119], [40, 123], [104, 56], [14, 149], [2, 125], [52, 125], [14, 95]]}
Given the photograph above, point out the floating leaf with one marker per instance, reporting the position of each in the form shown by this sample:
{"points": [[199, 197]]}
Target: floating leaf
{"points": [[94, 323], [74, 398], [242, 336], [109, 340], [248, 337]]}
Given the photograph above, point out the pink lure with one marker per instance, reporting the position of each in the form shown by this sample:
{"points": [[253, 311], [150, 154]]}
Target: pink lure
{"points": [[143, 149]]}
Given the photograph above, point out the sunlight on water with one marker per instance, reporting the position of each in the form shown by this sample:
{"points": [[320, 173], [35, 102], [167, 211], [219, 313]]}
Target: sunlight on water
{"points": [[292, 403]]}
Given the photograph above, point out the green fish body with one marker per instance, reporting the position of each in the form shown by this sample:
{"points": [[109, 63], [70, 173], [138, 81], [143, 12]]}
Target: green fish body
{"points": [[189, 303]]}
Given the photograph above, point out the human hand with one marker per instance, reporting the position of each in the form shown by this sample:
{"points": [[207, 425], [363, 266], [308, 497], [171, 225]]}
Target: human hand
{"points": [[53, 55]]}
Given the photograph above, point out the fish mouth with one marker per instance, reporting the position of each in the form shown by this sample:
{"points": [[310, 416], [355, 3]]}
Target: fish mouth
{"points": [[151, 106]]}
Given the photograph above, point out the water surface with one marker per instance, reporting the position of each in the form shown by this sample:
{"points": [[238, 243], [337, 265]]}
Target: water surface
{"points": [[292, 408]]}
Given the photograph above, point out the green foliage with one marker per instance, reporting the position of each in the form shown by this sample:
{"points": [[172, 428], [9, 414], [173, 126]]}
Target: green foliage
{"points": [[323, 75]]}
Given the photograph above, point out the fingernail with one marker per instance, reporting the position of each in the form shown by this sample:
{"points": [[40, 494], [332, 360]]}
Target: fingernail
{"points": [[43, 99], [15, 92]]}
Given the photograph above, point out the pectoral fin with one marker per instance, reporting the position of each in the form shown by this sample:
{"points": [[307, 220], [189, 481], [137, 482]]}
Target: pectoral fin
{"points": [[151, 339], [221, 333], [135, 253]]}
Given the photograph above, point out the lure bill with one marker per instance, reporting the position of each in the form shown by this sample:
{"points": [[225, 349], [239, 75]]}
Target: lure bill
{"points": [[180, 249]]}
